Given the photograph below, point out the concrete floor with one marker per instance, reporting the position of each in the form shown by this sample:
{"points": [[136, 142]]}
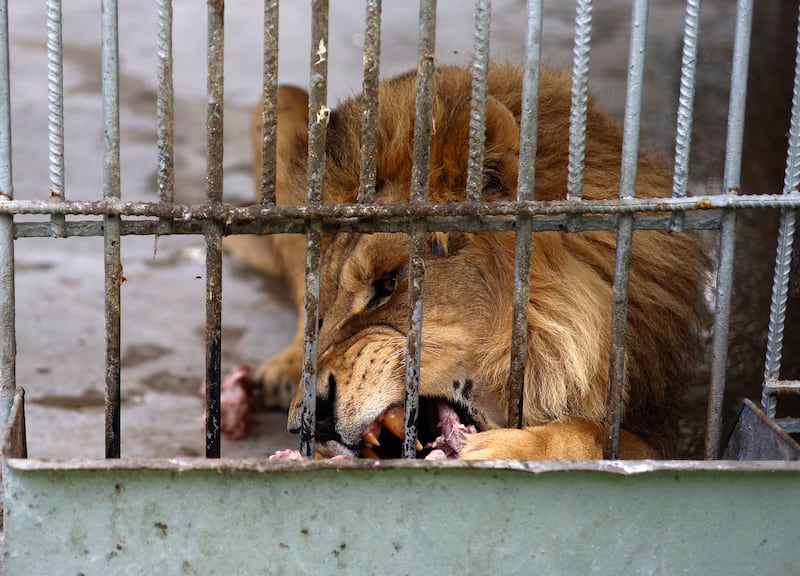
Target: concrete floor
{"points": [[59, 282]]}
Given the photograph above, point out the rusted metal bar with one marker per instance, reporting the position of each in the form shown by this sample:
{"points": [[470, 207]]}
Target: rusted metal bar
{"points": [[318, 116], [111, 191], [683, 132], [580, 98], [731, 186], [55, 108], [313, 213], [8, 347], [622, 262], [369, 102], [213, 233], [783, 257], [523, 224], [283, 224], [165, 111], [420, 173], [269, 103], [477, 117]]}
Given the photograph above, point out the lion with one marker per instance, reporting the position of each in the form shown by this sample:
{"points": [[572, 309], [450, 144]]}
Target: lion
{"points": [[466, 328]]}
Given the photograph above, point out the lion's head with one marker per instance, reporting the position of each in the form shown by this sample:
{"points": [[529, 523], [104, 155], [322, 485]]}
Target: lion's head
{"points": [[466, 328]]}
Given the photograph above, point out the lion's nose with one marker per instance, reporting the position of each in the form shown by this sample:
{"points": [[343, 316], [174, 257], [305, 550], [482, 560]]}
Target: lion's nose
{"points": [[326, 394]]}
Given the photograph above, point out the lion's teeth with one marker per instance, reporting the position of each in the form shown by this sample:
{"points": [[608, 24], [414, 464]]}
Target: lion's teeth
{"points": [[368, 452], [394, 422], [370, 439]]}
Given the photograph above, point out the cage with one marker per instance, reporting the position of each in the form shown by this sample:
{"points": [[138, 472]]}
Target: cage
{"points": [[69, 513]]}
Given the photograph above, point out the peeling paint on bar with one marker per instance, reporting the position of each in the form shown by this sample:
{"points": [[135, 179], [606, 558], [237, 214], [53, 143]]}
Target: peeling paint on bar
{"points": [[477, 104], [420, 172], [165, 112], [269, 109], [317, 131], [369, 103]]}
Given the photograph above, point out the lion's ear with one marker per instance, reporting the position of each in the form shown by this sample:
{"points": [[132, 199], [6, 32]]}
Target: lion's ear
{"points": [[292, 139], [444, 244], [501, 158]]}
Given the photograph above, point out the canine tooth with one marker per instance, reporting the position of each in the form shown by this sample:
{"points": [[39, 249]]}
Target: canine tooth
{"points": [[367, 452], [370, 439], [394, 422]]}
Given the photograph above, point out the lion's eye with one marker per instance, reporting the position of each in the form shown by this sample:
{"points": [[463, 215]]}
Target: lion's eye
{"points": [[382, 289]]}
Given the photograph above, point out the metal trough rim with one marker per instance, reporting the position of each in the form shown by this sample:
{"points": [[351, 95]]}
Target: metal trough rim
{"points": [[613, 467]]}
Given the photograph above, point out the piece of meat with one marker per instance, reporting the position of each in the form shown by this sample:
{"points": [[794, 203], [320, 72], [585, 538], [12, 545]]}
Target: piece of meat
{"points": [[453, 435], [236, 402]]}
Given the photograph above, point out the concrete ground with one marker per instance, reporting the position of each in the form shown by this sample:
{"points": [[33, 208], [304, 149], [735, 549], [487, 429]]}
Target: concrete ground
{"points": [[59, 282]]}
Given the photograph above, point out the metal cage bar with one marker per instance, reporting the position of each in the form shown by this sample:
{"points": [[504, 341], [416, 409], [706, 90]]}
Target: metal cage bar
{"points": [[420, 185], [477, 104], [8, 348], [318, 115], [55, 109], [523, 241], [112, 237], [622, 261], [214, 230], [683, 131], [269, 104], [783, 257], [580, 99], [731, 185], [369, 102], [165, 105]]}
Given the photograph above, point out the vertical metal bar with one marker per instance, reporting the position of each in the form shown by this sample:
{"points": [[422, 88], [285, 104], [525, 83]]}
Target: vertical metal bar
{"points": [[525, 188], [165, 105], [111, 190], [630, 159], [269, 111], [783, 257], [683, 137], [318, 116], [213, 233], [55, 109], [420, 185], [8, 347], [477, 118], [580, 99], [369, 103], [733, 158]]}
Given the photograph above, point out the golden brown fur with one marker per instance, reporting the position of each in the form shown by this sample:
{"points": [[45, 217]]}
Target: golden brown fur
{"points": [[469, 279]]}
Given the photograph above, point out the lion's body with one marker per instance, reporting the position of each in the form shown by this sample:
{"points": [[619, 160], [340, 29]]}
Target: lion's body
{"points": [[469, 280]]}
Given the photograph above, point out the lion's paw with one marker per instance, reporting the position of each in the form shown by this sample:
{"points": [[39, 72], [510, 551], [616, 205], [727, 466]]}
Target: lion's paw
{"points": [[279, 377], [501, 444]]}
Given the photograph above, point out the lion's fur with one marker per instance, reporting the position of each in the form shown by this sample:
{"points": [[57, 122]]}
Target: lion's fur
{"points": [[468, 291]]}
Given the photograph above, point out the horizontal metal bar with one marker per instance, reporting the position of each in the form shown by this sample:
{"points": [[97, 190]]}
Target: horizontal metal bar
{"points": [[790, 425], [782, 386], [700, 221], [233, 214]]}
